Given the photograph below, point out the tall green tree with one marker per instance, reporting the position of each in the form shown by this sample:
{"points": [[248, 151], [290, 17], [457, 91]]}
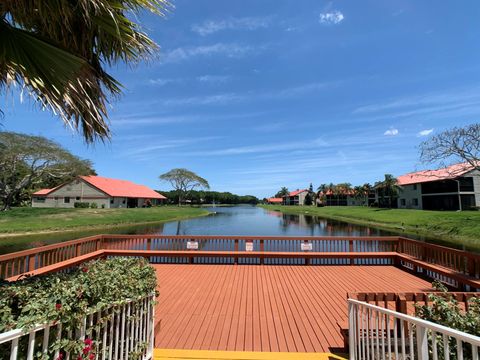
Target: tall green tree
{"points": [[283, 192], [367, 189], [59, 51], [184, 181], [389, 189], [28, 161]]}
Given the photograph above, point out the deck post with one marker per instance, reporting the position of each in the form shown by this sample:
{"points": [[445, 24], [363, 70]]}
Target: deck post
{"points": [[31, 262], [401, 303], [262, 249], [149, 244], [349, 340], [350, 249], [78, 250], [235, 260]]}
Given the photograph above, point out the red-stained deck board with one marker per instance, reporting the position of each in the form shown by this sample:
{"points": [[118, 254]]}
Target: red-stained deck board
{"points": [[264, 308]]}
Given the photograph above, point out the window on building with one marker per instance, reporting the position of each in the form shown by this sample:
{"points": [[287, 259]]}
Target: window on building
{"points": [[466, 184], [111, 201], [415, 202], [40, 199], [66, 199], [403, 202], [77, 198], [414, 186]]}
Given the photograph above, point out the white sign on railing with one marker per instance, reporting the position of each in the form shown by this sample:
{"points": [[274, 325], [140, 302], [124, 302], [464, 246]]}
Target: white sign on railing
{"points": [[306, 246], [378, 333], [192, 245], [121, 331], [249, 246]]}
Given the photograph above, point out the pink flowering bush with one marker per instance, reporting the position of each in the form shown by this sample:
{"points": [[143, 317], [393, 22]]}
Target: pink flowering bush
{"points": [[69, 297]]}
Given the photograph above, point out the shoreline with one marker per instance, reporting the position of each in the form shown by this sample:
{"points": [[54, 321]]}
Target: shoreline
{"points": [[106, 226], [442, 234]]}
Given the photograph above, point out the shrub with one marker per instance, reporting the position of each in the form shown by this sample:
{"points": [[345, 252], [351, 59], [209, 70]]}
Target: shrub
{"points": [[103, 206], [69, 297], [93, 205], [445, 310], [83, 205]]}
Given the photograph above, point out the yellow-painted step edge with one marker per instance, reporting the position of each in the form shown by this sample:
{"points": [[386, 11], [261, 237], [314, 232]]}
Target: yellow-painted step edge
{"points": [[163, 354]]}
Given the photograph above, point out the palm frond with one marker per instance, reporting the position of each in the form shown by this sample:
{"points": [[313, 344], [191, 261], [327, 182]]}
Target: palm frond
{"points": [[56, 50]]}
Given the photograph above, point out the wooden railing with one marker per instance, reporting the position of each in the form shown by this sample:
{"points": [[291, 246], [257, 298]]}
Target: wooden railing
{"points": [[404, 302], [30, 260], [455, 267], [459, 260]]}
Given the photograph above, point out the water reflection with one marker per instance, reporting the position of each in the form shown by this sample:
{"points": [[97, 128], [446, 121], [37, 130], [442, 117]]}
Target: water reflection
{"points": [[237, 220]]}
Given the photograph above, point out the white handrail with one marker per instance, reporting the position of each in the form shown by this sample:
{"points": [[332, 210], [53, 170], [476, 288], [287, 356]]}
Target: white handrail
{"points": [[376, 332], [140, 330]]}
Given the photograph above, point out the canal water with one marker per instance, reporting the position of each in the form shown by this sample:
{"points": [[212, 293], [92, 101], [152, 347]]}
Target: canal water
{"points": [[235, 220]]}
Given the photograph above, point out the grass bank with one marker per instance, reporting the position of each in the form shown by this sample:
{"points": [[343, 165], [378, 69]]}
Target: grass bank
{"points": [[41, 220], [457, 227]]}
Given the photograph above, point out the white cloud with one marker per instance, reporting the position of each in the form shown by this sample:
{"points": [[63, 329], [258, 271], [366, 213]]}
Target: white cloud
{"points": [[163, 82], [217, 99], [213, 78], [128, 121], [425, 132], [417, 101], [391, 132], [245, 23], [225, 98], [184, 53], [264, 148], [331, 18]]}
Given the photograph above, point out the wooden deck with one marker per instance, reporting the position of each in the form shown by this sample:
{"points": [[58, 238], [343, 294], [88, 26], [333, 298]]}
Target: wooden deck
{"points": [[264, 308]]}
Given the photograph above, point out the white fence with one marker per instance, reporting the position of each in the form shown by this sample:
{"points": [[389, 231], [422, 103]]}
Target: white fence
{"points": [[117, 332], [379, 333]]}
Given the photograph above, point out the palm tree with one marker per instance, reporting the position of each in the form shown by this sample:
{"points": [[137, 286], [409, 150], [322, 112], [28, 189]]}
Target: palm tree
{"points": [[359, 192], [390, 188], [321, 194], [367, 189], [58, 51], [283, 192]]}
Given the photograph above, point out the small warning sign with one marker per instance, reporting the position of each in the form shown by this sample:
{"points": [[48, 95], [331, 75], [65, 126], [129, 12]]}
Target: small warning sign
{"points": [[192, 245], [249, 246], [306, 246]]}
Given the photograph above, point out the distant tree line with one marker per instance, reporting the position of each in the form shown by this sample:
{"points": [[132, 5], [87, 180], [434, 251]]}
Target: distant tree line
{"points": [[209, 197]]}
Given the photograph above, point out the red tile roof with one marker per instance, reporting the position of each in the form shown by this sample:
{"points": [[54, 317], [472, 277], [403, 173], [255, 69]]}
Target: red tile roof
{"points": [[450, 172], [274, 200], [115, 188], [42, 192], [122, 188], [296, 192]]}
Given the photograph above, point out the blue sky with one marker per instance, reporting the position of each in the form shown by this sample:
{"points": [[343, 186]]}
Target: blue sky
{"points": [[254, 95]]}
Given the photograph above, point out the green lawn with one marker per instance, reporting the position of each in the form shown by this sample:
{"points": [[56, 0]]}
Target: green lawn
{"points": [[459, 227], [31, 220]]}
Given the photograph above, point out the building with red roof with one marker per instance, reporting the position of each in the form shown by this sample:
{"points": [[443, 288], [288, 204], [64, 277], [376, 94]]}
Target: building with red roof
{"points": [[455, 187], [102, 191], [296, 197]]}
